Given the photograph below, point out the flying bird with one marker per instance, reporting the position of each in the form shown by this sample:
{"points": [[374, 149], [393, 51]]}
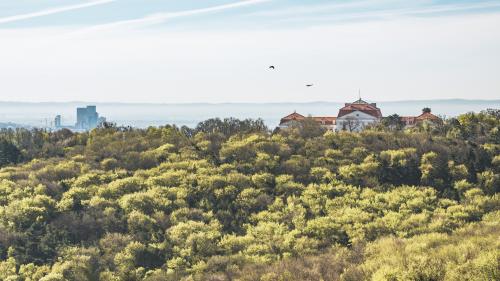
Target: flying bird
{"points": [[272, 67]]}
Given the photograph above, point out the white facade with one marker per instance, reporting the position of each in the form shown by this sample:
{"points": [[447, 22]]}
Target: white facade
{"points": [[328, 127], [289, 124], [355, 121]]}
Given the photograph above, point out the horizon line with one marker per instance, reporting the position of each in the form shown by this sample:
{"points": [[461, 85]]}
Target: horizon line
{"points": [[243, 102]]}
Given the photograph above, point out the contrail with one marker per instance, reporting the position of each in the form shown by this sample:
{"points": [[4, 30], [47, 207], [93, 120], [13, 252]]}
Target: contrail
{"points": [[162, 17], [54, 11]]}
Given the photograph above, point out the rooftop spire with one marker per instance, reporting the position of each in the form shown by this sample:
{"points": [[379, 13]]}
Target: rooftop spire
{"points": [[360, 101]]}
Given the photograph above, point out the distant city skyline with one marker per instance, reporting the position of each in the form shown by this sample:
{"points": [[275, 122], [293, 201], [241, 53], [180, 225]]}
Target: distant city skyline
{"points": [[218, 51], [158, 114], [87, 118]]}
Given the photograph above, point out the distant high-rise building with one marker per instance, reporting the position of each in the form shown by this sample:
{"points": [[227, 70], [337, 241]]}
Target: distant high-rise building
{"points": [[86, 118], [81, 117], [57, 121]]}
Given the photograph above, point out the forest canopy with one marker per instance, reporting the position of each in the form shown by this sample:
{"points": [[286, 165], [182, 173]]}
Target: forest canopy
{"points": [[231, 200]]}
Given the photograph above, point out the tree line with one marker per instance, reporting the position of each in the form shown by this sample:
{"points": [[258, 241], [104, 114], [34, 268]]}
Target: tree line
{"points": [[232, 200]]}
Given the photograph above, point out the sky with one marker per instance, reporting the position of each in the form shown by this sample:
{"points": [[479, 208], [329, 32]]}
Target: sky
{"points": [[190, 51]]}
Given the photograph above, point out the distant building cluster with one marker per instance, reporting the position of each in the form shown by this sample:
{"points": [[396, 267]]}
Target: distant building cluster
{"points": [[356, 116], [87, 118]]}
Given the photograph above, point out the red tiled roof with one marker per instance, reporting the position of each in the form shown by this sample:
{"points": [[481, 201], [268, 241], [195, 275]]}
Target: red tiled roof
{"points": [[323, 120], [326, 120], [411, 120], [292, 117], [408, 120], [370, 109], [428, 116]]}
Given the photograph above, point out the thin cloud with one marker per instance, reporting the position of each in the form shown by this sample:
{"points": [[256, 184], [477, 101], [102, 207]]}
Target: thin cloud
{"points": [[162, 17], [320, 8], [52, 11], [310, 14]]}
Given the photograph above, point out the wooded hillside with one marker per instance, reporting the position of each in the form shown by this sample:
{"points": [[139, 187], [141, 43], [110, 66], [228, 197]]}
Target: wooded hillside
{"points": [[230, 200]]}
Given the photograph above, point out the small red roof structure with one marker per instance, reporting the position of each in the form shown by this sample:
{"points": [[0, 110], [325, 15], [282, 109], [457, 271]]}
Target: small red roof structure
{"points": [[292, 117], [362, 106], [326, 120], [428, 116], [425, 116], [322, 120], [408, 120]]}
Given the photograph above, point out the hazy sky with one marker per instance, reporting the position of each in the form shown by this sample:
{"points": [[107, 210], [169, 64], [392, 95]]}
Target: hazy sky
{"points": [[219, 50]]}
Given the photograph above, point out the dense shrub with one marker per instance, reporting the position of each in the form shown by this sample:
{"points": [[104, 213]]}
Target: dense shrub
{"points": [[228, 200]]}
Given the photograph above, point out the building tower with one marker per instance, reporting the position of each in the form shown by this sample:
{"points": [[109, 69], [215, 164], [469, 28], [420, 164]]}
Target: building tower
{"points": [[86, 118], [57, 122]]}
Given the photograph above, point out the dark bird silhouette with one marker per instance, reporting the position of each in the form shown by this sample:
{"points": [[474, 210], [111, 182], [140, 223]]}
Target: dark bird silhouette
{"points": [[309, 85], [272, 67]]}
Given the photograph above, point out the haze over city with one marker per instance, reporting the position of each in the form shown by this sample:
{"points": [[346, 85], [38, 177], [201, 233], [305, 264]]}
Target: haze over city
{"points": [[219, 51]]}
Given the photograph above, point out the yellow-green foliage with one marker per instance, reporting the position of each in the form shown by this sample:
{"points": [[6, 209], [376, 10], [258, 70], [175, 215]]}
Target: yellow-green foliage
{"points": [[231, 201]]}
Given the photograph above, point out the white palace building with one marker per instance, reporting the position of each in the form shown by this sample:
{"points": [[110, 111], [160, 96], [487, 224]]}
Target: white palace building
{"points": [[355, 117]]}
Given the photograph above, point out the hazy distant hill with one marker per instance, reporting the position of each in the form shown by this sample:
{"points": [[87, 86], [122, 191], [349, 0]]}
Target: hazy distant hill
{"points": [[149, 114], [10, 125]]}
